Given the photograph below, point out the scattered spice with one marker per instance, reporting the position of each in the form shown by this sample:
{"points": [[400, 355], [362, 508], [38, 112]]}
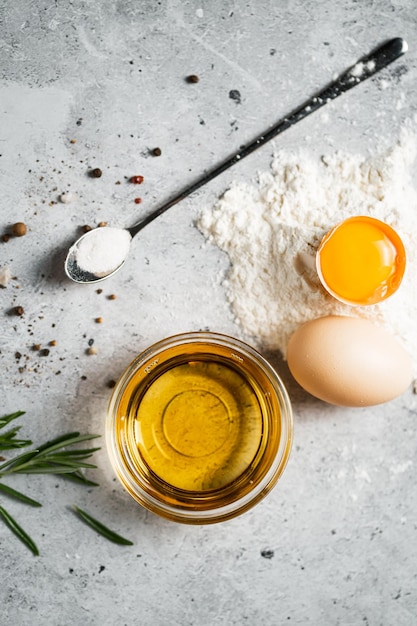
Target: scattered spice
{"points": [[137, 180], [111, 384], [101, 224], [99, 291], [86, 228], [234, 94], [36, 346], [73, 141], [138, 200], [44, 352], [112, 296], [53, 342], [96, 173], [157, 151], [267, 554], [5, 238], [19, 229], [92, 350], [18, 310], [99, 320], [192, 78]]}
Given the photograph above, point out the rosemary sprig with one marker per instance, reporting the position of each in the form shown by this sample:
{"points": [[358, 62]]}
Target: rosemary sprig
{"points": [[57, 456], [101, 529], [53, 457]]}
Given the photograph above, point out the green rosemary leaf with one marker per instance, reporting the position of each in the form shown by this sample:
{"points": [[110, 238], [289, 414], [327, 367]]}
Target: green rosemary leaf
{"points": [[76, 453], [62, 460], [79, 478], [8, 440], [17, 461], [45, 468], [101, 529], [18, 495], [64, 440], [18, 531], [6, 419]]}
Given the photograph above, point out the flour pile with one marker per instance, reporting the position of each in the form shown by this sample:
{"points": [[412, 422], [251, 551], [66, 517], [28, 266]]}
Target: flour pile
{"points": [[271, 232]]}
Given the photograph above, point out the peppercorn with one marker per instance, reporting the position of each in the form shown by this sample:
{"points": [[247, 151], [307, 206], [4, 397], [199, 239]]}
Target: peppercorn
{"points": [[192, 78], [137, 180], [6, 238], [96, 173], [53, 342], [99, 320], [44, 352], [157, 151], [112, 296], [138, 200], [19, 229], [86, 228], [18, 310]]}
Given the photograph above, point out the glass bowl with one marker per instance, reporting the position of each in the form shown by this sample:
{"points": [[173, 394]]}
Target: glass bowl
{"points": [[199, 428]]}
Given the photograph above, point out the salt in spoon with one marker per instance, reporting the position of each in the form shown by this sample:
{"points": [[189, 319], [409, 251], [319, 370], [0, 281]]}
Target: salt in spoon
{"points": [[101, 252]]}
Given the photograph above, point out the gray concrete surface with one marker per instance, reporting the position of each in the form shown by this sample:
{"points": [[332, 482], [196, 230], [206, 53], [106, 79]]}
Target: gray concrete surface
{"points": [[99, 84]]}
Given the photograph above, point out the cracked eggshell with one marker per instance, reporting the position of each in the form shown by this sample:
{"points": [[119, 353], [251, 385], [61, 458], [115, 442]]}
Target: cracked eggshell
{"points": [[348, 361]]}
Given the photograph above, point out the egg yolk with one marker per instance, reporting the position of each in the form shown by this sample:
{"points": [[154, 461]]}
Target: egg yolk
{"points": [[361, 261]]}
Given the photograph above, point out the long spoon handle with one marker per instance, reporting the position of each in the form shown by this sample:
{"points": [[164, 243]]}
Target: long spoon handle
{"points": [[366, 67]]}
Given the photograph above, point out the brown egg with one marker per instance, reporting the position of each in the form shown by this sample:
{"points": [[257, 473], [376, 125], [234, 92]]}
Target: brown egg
{"points": [[348, 361]]}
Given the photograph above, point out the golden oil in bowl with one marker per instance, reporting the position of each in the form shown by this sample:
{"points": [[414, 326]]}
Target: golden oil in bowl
{"points": [[199, 428]]}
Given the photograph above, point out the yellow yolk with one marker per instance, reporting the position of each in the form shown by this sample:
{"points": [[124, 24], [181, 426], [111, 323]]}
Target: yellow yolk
{"points": [[361, 261]]}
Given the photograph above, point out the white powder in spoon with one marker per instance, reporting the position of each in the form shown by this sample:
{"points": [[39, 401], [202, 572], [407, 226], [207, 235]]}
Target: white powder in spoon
{"points": [[271, 231], [102, 250]]}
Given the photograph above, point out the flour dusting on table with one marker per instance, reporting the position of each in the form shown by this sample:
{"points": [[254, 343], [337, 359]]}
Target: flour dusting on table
{"points": [[271, 231]]}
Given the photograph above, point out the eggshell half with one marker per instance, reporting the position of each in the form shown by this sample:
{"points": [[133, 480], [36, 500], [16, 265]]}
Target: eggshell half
{"points": [[348, 361]]}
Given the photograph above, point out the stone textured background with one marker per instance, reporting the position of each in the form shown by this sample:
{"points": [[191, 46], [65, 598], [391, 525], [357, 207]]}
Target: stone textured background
{"points": [[99, 84]]}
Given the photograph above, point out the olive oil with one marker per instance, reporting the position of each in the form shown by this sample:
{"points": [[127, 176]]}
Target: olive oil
{"points": [[198, 425], [199, 428]]}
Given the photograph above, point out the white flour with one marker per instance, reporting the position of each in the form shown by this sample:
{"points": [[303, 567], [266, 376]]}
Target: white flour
{"points": [[271, 231]]}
